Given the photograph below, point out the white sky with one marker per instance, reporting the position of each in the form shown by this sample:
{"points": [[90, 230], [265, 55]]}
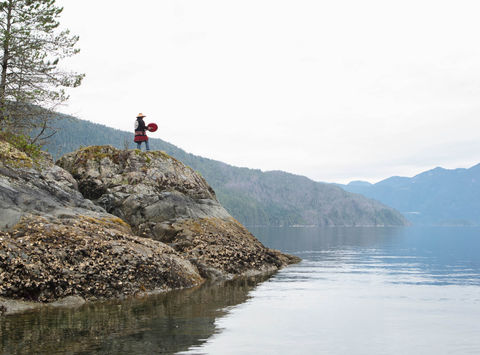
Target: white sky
{"points": [[334, 90]]}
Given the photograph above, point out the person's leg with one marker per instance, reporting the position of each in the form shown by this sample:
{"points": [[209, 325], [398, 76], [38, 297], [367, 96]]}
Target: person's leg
{"points": [[147, 146], [139, 145]]}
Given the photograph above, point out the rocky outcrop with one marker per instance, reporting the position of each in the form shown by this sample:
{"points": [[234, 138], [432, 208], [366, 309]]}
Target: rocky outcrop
{"points": [[88, 257], [38, 187], [150, 191], [223, 248], [55, 243], [125, 222], [165, 200]]}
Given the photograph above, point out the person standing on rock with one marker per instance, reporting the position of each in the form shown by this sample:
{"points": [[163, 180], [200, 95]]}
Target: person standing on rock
{"points": [[140, 132]]}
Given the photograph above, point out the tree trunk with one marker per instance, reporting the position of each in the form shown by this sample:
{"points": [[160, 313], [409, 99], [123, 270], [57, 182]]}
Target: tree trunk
{"points": [[6, 54]]}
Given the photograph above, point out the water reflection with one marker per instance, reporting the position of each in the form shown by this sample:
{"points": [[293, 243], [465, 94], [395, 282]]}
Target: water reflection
{"points": [[426, 255], [160, 324], [357, 291], [322, 239], [361, 291]]}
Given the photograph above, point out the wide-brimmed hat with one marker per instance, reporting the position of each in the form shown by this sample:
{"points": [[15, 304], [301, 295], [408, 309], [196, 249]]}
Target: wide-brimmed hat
{"points": [[141, 115]]}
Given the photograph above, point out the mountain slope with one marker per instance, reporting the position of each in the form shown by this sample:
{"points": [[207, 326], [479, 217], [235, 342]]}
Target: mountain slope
{"points": [[251, 196], [434, 197]]}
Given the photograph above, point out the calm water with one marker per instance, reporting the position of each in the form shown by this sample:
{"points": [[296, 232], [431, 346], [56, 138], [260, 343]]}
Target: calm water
{"points": [[361, 291], [357, 291]]}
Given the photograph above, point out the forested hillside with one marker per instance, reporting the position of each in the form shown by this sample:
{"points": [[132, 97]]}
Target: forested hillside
{"points": [[253, 197], [435, 197]]}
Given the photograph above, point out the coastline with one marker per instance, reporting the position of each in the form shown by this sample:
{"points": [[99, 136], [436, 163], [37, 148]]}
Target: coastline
{"points": [[104, 223]]}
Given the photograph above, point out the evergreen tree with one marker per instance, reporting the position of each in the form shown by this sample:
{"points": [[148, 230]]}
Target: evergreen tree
{"points": [[32, 84]]}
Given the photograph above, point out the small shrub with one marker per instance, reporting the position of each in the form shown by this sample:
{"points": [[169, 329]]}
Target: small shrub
{"points": [[22, 143]]}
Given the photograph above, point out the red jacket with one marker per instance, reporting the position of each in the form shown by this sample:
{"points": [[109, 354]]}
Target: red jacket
{"points": [[140, 131]]}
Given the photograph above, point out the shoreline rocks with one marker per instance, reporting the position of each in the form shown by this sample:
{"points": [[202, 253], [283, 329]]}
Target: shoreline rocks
{"points": [[38, 188], [165, 200], [150, 224], [91, 258], [224, 248]]}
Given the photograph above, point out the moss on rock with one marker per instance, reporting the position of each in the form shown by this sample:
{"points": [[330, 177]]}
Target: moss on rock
{"points": [[12, 157]]}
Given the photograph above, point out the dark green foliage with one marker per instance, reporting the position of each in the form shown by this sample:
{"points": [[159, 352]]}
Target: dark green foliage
{"points": [[32, 83], [253, 197]]}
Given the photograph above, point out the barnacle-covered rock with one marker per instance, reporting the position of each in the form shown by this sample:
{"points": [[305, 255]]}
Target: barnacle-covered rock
{"points": [[225, 248], [55, 243], [106, 223], [163, 199], [87, 257]]}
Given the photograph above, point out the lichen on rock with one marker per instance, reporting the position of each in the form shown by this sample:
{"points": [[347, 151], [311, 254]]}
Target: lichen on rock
{"points": [[10, 156], [168, 201], [115, 224], [40, 188]]}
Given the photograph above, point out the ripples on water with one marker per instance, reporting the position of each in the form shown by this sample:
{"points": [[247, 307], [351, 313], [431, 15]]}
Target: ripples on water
{"points": [[362, 291], [357, 291]]}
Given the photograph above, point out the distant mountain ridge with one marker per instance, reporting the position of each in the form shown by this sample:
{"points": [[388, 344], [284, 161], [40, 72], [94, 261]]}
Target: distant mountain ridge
{"points": [[435, 197], [273, 198]]}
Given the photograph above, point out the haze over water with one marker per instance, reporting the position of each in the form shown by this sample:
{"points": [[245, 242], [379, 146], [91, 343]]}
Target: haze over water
{"points": [[362, 291]]}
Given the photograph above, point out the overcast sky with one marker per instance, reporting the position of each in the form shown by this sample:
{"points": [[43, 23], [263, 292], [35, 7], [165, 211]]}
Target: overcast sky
{"points": [[334, 90]]}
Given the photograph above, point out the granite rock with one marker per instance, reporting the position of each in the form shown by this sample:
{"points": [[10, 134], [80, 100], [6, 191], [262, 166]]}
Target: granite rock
{"points": [[162, 199]]}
